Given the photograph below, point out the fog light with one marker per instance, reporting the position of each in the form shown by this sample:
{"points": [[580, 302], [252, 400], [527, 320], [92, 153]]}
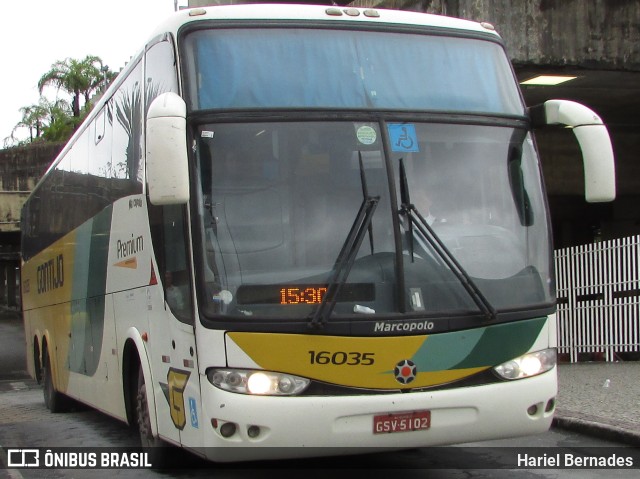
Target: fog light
{"points": [[551, 404], [533, 410], [253, 431], [228, 429]]}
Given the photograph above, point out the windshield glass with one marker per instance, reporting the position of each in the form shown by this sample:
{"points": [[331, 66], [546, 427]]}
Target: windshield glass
{"points": [[279, 199], [355, 69], [478, 188]]}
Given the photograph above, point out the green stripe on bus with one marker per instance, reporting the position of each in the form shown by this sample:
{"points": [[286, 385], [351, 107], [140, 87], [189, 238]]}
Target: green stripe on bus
{"points": [[89, 288], [480, 347]]}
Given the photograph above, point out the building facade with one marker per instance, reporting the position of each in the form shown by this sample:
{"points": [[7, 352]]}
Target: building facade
{"points": [[595, 41], [20, 169]]}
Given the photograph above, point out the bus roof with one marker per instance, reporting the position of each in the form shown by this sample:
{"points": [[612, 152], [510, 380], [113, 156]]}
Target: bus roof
{"points": [[285, 12], [318, 13]]}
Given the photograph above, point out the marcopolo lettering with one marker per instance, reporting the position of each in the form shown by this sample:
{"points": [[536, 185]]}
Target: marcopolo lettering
{"points": [[50, 274], [403, 327]]}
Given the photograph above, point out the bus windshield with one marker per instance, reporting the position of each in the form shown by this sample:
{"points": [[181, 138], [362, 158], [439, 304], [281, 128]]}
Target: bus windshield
{"points": [[281, 197], [279, 200], [306, 68]]}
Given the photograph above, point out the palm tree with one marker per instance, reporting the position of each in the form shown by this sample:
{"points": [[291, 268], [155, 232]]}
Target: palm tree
{"points": [[34, 118], [49, 121], [60, 124], [79, 78]]}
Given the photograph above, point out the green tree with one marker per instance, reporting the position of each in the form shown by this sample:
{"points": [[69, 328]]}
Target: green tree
{"points": [[33, 118], [61, 124], [56, 121], [79, 78], [50, 121]]}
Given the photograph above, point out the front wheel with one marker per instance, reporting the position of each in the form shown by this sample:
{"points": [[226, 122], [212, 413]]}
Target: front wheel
{"points": [[155, 447]]}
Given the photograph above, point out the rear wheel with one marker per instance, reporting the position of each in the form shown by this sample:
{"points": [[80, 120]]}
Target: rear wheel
{"points": [[37, 364], [54, 400]]}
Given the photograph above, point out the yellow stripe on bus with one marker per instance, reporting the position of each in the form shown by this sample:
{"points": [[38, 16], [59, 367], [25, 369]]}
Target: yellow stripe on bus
{"points": [[363, 362], [47, 278]]}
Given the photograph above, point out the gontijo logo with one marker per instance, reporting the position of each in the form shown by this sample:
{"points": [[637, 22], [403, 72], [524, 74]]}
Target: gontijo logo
{"points": [[50, 274]]}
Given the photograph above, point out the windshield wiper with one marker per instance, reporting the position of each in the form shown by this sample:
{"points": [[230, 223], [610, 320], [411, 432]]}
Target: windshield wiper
{"points": [[413, 216], [347, 255], [365, 194]]}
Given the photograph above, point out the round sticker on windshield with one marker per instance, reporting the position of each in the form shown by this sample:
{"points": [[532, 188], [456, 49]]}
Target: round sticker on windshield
{"points": [[366, 135]]}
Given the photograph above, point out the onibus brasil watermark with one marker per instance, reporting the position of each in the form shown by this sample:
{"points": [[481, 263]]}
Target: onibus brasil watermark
{"points": [[77, 458]]}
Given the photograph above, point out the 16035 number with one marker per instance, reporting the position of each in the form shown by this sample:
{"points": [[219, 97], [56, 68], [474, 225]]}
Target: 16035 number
{"points": [[339, 358]]}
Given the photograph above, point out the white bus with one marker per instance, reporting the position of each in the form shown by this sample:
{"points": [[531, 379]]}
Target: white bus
{"points": [[304, 227]]}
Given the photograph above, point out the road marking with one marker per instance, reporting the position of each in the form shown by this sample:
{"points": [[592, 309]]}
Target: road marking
{"points": [[18, 386]]}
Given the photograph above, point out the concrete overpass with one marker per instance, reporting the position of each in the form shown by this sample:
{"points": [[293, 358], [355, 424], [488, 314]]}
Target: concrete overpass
{"points": [[20, 170], [596, 41]]}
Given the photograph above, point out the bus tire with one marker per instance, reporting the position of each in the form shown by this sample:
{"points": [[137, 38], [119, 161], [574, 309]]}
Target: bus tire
{"points": [[54, 400], [155, 447], [37, 363]]}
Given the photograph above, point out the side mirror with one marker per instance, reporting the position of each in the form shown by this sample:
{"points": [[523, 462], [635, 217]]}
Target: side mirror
{"points": [[594, 141], [167, 160]]}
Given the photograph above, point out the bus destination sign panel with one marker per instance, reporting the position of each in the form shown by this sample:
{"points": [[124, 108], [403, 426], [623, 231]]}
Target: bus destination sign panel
{"points": [[302, 293]]}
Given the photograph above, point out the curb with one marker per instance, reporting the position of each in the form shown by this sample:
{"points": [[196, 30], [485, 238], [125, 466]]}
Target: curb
{"points": [[598, 429]]}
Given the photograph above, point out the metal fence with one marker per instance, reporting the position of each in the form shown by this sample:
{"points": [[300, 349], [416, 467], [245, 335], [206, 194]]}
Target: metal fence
{"points": [[599, 298]]}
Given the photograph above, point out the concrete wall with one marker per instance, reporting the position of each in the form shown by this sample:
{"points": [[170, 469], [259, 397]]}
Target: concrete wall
{"points": [[598, 40], [20, 169], [586, 33]]}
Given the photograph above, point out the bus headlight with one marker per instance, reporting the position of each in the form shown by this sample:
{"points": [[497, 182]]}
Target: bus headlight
{"points": [[266, 383], [528, 365]]}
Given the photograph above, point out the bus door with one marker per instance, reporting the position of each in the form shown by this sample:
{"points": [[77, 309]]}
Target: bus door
{"points": [[179, 412]]}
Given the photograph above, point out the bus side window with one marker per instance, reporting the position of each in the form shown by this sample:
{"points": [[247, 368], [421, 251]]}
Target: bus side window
{"points": [[168, 234], [167, 222], [160, 71]]}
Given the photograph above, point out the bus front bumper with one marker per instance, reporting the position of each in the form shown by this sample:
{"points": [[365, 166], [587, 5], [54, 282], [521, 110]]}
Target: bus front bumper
{"points": [[241, 427]]}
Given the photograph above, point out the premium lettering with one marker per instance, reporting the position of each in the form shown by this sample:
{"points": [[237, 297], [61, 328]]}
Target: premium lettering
{"points": [[130, 247]]}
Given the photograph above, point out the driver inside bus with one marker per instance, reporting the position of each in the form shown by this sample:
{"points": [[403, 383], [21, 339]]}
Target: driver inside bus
{"points": [[173, 293]]}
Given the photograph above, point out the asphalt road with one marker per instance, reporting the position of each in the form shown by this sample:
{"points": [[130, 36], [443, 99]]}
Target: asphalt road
{"points": [[26, 423]]}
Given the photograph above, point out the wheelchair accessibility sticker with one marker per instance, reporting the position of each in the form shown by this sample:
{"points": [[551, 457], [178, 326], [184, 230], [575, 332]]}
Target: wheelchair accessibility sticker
{"points": [[193, 412], [403, 137]]}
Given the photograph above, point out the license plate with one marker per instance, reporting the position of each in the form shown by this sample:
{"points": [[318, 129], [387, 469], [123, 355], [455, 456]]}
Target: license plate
{"points": [[402, 422]]}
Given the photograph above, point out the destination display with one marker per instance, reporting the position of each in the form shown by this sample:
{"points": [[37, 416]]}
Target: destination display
{"points": [[302, 293]]}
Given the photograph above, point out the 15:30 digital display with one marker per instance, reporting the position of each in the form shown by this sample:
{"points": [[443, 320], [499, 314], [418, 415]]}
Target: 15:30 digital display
{"points": [[292, 294], [297, 295]]}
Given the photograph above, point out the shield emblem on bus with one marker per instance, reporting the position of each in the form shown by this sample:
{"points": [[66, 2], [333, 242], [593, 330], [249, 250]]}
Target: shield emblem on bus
{"points": [[177, 380]]}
